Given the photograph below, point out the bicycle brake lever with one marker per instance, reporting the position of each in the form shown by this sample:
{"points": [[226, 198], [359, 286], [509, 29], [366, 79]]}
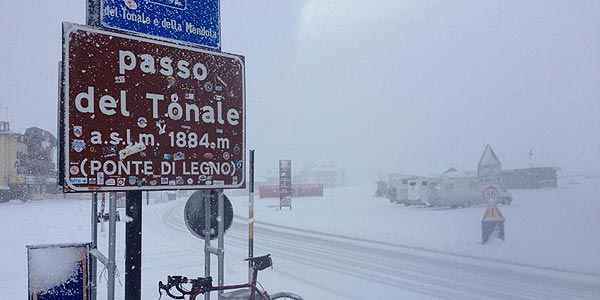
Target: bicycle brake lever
{"points": [[160, 285], [167, 288]]}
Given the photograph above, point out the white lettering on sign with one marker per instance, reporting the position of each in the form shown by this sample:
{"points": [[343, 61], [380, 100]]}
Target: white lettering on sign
{"points": [[84, 102], [130, 16], [200, 30], [192, 112], [195, 168], [109, 167], [128, 61]]}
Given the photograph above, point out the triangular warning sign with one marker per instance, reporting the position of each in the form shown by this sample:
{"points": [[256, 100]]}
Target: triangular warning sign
{"points": [[489, 158], [492, 213]]}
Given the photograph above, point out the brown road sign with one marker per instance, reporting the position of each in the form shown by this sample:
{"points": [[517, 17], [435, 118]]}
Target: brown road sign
{"points": [[141, 114]]}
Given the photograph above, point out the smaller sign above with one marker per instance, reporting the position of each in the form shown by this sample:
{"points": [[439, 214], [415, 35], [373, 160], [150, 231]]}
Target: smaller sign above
{"points": [[489, 180], [489, 169], [192, 21]]}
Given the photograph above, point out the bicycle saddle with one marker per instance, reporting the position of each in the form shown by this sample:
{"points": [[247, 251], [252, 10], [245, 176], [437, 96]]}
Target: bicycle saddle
{"points": [[260, 262]]}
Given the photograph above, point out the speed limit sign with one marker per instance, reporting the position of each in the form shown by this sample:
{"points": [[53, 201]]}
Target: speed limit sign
{"points": [[490, 193]]}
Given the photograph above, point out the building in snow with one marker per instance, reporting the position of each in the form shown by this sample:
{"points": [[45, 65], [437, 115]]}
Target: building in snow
{"points": [[27, 165], [530, 178], [328, 175]]}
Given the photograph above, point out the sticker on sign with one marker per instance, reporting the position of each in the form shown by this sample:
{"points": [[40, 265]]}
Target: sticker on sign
{"points": [[145, 125]]}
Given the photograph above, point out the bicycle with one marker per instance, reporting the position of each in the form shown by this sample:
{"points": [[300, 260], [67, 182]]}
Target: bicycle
{"points": [[194, 287]]}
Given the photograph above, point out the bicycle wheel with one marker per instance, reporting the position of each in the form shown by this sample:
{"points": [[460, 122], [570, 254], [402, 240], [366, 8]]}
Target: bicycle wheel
{"points": [[285, 295]]}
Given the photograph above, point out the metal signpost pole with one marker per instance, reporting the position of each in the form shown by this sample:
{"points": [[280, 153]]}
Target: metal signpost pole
{"points": [[89, 19], [207, 247], [216, 216], [92, 16], [221, 238], [93, 260], [112, 245], [251, 216], [133, 245]]}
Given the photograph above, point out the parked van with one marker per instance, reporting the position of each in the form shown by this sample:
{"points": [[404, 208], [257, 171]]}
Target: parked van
{"points": [[408, 190], [456, 189], [419, 191], [398, 189], [451, 189]]}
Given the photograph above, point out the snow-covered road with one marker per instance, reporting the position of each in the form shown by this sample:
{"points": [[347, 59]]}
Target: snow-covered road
{"points": [[341, 267]]}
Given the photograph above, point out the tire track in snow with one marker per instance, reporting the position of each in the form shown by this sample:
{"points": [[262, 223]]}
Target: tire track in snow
{"points": [[453, 286], [462, 272], [422, 249]]}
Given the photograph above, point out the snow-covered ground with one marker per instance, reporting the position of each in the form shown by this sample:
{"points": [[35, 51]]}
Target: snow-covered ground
{"points": [[557, 228], [351, 245]]}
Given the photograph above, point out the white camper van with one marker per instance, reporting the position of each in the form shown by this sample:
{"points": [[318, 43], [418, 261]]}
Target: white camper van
{"points": [[451, 189], [409, 190], [398, 189], [419, 191], [456, 189]]}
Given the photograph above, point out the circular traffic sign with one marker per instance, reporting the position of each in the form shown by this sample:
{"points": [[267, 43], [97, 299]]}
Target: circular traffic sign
{"points": [[193, 213], [490, 193]]}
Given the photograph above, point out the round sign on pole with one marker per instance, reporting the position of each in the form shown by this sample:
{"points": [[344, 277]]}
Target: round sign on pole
{"points": [[490, 193], [194, 213]]}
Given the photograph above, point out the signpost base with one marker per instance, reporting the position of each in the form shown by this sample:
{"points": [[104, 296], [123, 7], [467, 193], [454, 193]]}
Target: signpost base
{"points": [[492, 228]]}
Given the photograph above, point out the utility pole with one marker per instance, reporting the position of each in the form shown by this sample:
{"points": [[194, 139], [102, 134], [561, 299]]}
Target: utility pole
{"points": [[251, 216], [530, 155]]}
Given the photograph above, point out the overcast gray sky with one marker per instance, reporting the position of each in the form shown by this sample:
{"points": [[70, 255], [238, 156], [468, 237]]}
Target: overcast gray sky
{"points": [[406, 86]]}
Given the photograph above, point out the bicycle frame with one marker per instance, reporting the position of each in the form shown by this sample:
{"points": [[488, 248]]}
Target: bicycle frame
{"points": [[255, 290], [204, 285], [177, 283]]}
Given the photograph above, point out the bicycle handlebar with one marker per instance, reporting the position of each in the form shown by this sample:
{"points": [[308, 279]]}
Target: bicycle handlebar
{"points": [[167, 288], [199, 285]]}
